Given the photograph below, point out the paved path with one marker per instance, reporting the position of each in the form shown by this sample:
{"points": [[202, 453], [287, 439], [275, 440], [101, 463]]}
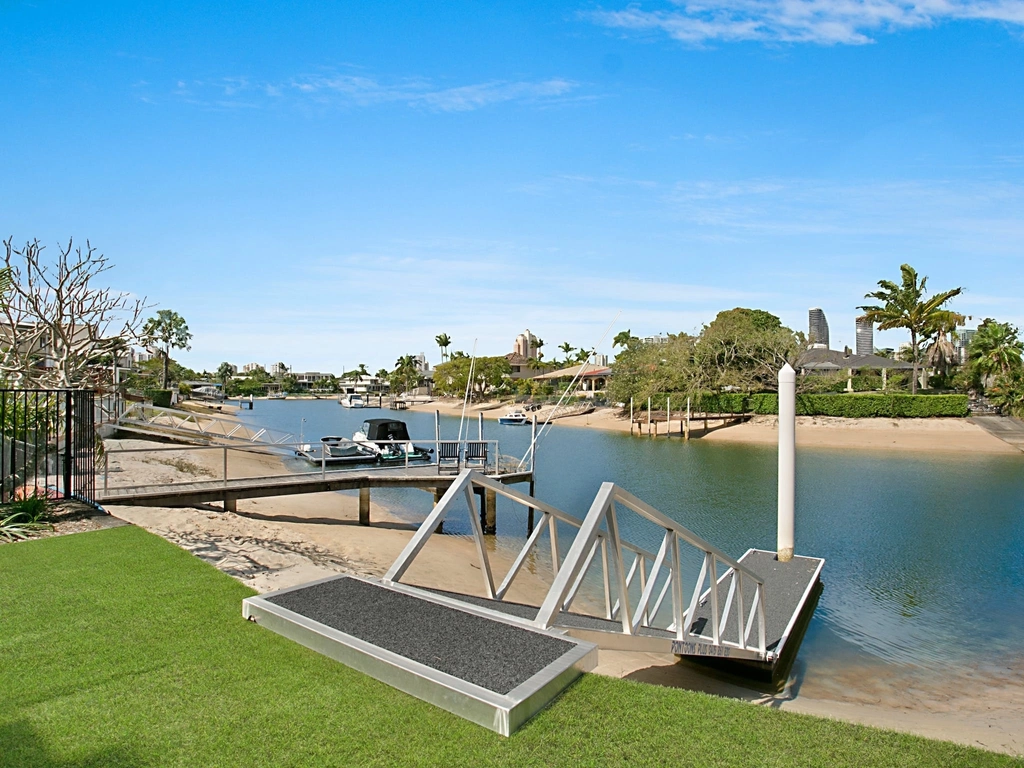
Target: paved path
{"points": [[1006, 428]]}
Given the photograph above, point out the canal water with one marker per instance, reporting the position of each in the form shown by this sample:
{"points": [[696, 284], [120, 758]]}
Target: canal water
{"points": [[924, 574]]}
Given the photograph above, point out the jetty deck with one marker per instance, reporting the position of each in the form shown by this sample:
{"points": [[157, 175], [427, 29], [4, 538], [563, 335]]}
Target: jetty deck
{"points": [[206, 491]]}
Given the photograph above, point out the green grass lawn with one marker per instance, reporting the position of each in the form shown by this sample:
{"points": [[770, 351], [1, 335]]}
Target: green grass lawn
{"points": [[119, 649]]}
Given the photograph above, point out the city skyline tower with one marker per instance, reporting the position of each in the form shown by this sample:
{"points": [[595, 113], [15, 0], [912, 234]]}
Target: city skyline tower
{"points": [[817, 327]]}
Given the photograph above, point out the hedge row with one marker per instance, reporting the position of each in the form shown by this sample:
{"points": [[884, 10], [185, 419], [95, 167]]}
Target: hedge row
{"points": [[847, 406]]}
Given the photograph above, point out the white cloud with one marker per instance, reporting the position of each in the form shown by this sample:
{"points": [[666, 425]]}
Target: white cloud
{"points": [[824, 22], [343, 89]]}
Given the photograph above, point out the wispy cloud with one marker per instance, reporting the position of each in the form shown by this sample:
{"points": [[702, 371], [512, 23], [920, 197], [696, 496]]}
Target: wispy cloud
{"points": [[823, 22], [357, 90]]}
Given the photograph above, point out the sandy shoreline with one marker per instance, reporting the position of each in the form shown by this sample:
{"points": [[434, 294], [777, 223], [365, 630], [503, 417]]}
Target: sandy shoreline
{"points": [[273, 543], [925, 435]]}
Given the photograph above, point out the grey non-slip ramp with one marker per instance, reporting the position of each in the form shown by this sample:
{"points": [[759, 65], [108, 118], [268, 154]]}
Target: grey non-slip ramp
{"points": [[493, 672]]}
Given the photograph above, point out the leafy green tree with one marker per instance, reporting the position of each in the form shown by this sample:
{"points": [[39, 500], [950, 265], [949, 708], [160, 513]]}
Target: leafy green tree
{"points": [[906, 305], [743, 349], [168, 330], [995, 350], [622, 338], [289, 383], [489, 373]]}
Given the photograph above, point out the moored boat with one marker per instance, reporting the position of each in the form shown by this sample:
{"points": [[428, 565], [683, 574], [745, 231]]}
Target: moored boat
{"points": [[389, 439], [354, 400], [514, 416], [337, 450]]}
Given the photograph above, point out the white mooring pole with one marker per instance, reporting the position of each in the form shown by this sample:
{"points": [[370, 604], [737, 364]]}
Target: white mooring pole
{"points": [[787, 461]]}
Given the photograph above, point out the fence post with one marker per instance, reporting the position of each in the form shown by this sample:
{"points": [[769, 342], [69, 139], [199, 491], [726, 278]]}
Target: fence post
{"points": [[225, 465], [106, 469], [67, 444]]}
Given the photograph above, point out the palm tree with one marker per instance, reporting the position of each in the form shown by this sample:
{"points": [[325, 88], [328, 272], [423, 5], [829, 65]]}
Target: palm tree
{"points": [[905, 306], [361, 370], [443, 342], [941, 352], [224, 372], [405, 372], [538, 346], [995, 349], [567, 348]]}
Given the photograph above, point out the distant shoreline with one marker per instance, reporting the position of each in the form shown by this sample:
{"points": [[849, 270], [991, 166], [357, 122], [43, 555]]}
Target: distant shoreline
{"points": [[936, 435]]}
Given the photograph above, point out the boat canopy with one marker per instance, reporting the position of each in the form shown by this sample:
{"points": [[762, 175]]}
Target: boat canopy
{"points": [[385, 429]]}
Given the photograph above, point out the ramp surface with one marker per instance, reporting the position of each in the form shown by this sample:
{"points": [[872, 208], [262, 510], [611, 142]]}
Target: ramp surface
{"points": [[491, 654], [492, 671]]}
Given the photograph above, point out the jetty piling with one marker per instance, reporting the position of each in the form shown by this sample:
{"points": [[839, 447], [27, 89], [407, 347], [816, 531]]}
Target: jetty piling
{"points": [[787, 462]]}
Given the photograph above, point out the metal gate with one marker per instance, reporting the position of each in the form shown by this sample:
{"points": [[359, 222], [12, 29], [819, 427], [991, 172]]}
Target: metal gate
{"points": [[48, 444]]}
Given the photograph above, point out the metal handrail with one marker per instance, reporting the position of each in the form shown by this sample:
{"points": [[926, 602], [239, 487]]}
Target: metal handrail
{"points": [[569, 573], [276, 449]]}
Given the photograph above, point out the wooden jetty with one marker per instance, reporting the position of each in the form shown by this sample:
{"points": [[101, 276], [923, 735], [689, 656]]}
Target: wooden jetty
{"points": [[685, 416], [229, 491]]}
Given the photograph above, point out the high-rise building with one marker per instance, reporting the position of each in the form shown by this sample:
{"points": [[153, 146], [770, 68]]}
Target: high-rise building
{"points": [[963, 341], [865, 336], [817, 328], [525, 345]]}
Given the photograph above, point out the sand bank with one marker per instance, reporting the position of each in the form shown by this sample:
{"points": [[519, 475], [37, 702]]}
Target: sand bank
{"points": [[924, 435]]}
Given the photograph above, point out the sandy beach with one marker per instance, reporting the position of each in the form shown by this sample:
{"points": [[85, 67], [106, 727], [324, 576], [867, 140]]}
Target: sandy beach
{"points": [[273, 543], [925, 435]]}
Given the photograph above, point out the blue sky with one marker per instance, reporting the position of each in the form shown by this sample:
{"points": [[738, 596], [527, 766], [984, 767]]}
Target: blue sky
{"points": [[338, 184]]}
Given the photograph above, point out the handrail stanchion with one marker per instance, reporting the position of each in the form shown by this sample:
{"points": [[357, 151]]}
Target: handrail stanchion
{"points": [[225, 465]]}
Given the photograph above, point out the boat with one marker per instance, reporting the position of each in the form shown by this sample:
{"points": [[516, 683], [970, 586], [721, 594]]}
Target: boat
{"points": [[389, 440], [277, 396], [337, 450], [514, 416], [355, 400]]}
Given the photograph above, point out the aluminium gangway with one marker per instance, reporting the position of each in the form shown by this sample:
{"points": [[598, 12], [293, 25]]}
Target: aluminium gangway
{"points": [[605, 592]]}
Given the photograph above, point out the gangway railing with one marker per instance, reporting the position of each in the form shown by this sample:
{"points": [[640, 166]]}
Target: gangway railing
{"points": [[319, 460], [651, 573], [152, 419]]}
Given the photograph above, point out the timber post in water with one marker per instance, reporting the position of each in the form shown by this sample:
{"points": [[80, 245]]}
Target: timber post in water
{"points": [[787, 462]]}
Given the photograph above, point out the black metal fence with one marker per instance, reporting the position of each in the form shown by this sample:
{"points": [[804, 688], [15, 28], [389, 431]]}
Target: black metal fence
{"points": [[48, 444]]}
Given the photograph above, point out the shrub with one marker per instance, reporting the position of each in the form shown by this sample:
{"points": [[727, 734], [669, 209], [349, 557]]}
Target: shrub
{"points": [[161, 397], [865, 406]]}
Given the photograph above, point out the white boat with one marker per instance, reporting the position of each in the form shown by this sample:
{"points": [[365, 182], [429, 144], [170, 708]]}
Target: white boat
{"points": [[389, 440], [337, 450], [514, 416], [354, 400]]}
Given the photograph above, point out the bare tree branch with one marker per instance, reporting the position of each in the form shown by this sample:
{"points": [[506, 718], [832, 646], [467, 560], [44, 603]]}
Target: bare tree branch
{"points": [[55, 323]]}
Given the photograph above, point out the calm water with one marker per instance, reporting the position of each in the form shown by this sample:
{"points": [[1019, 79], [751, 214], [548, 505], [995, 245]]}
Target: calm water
{"points": [[924, 553]]}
